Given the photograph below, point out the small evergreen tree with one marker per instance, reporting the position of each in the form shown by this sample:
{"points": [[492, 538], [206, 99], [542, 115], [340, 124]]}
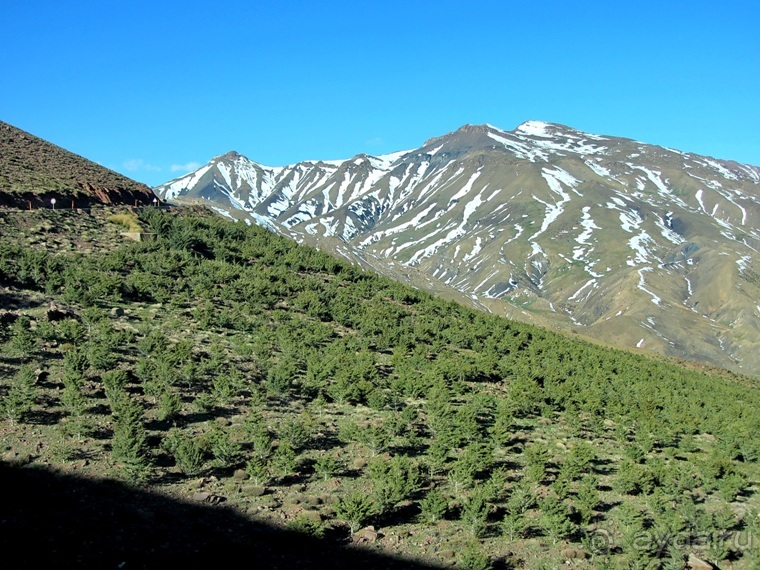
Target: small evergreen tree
{"points": [[19, 399], [434, 506], [23, 341], [393, 480], [355, 508], [475, 509], [187, 452], [169, 405], [472, 557], [556, 518], [115, 384], [258, 470], [284, 460], [587, 498], [76, 404], [295, 432], [327, 466], [129, 442]]}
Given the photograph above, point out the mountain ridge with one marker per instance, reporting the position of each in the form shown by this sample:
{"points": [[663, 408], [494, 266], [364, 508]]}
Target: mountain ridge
{"points": [[33, 171], [651, 247]]}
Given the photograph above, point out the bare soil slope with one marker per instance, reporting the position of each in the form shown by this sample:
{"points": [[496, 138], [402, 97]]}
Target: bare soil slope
{"points": [[32, 171]]}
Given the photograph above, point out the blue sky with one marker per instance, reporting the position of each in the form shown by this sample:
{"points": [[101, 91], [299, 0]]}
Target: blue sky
{"points": [[153, 88]]}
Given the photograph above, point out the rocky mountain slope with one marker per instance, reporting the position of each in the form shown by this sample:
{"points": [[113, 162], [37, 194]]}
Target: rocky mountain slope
{"points": [[633, 244], [32, 171]]}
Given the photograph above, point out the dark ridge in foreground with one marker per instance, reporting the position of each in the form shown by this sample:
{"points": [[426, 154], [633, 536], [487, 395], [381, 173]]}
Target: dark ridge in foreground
{"points": [[82, 523], [33, 171]]}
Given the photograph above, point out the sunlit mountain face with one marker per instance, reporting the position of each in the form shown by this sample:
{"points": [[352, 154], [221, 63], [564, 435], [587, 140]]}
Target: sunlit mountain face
{"points": [[636, 245]]}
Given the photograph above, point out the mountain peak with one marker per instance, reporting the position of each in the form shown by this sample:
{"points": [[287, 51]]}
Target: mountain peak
{"points": [[480, 129], [231, 155], [464, 138]]}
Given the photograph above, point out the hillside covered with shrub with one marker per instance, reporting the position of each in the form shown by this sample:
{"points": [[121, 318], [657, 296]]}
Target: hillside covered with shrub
{"points": [[222, 362]]}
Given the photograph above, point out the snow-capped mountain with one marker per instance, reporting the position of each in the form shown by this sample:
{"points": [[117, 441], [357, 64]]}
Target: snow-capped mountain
{"points": [[634, 244]]}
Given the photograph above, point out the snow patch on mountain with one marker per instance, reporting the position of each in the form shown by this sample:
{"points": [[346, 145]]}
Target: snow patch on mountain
{"points": [[598, 169], [588, 227], [554, 179], [521, 150], [642, 286], [574, 297], [534, 129]]}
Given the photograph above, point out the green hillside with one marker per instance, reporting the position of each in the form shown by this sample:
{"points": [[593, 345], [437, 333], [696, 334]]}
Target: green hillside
{"points": [[220, 361]]}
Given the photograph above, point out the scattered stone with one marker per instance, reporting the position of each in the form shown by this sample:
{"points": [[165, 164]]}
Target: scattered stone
{"points": [[57, 313], [222, 421], [17, 459], [197, 483], [573, 554], [210, 498], [241, 474], [447, 554], [698, 563], [117, 312], [366, 535]]}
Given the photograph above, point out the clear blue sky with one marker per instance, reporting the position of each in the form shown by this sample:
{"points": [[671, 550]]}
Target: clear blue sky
{"points": [[150, 88]]}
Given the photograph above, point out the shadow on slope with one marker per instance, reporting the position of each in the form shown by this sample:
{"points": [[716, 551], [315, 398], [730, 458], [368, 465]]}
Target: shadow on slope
{"points": [[50, 519]]}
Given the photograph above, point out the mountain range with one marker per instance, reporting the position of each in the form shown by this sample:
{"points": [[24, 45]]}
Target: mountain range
{"points": [[616, 240]]}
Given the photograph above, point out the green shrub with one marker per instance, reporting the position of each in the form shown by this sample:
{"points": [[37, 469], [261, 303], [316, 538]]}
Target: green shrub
{"points": [[306, 525], [169, 405], [627, 479], [284, 460], [472, 557], [23, 341], [556, 518], [187, 452], [115, 384], [587, 498], [514, 525]]}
